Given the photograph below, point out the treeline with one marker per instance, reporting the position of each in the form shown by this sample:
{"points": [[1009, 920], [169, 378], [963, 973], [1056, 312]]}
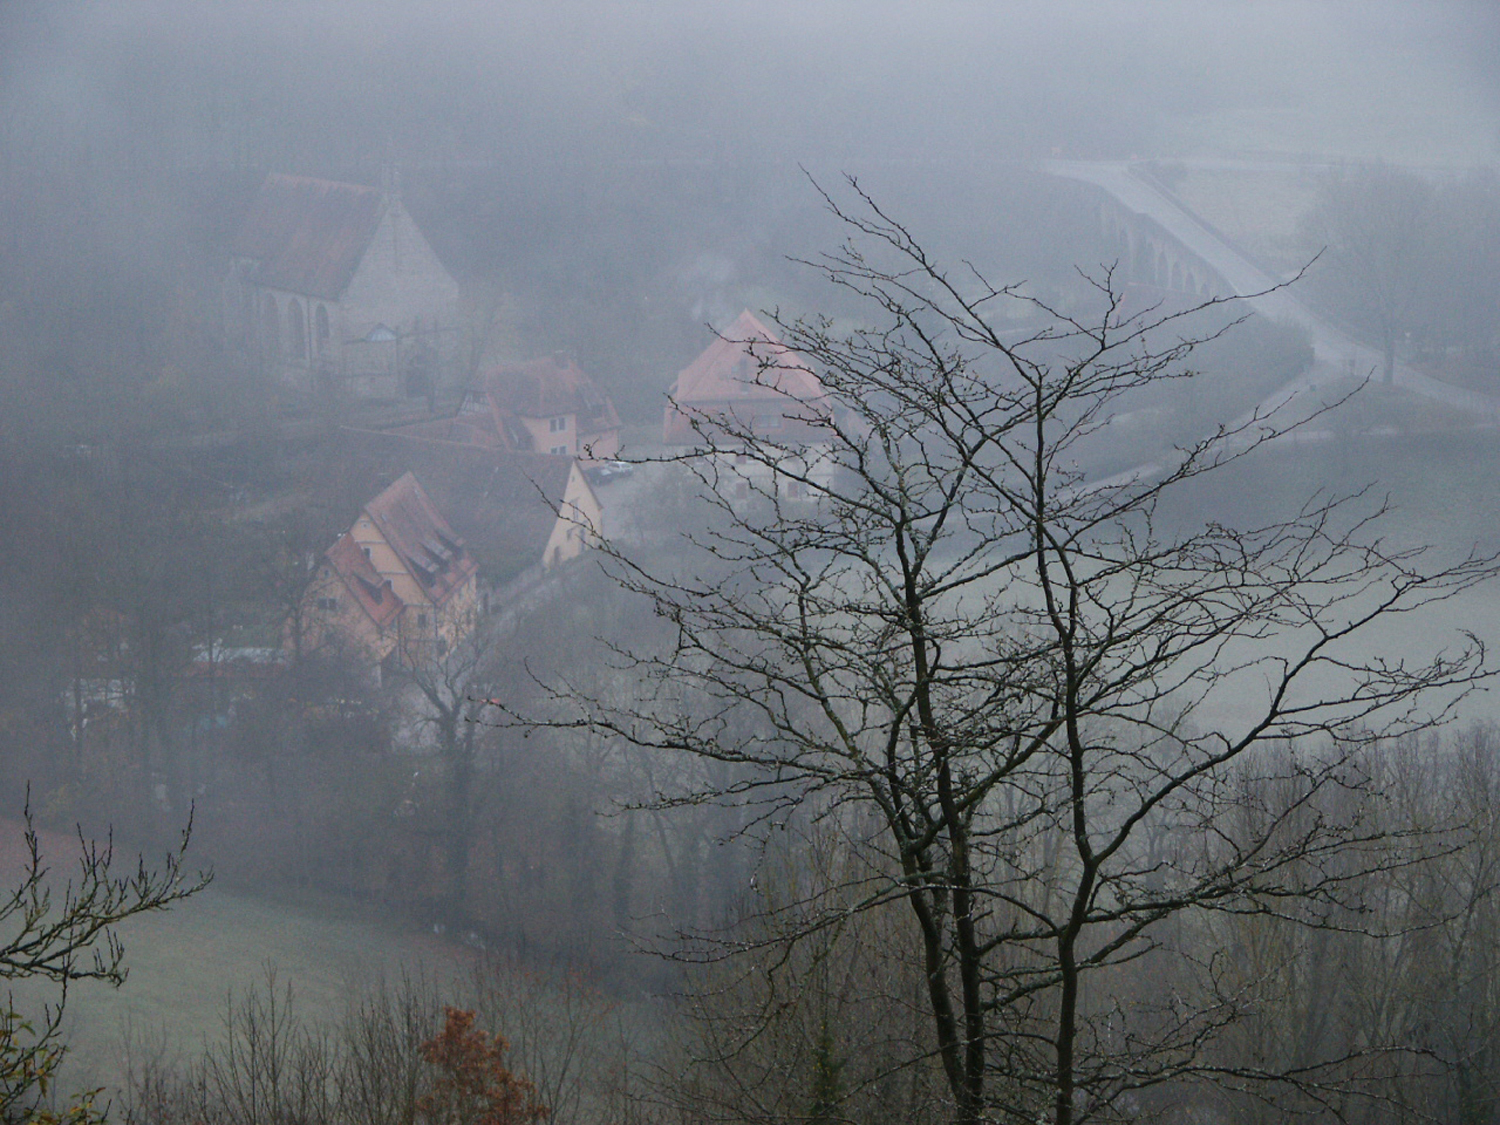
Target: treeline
{"points": [[806, 1004], [1382, 1006], [415, 1049]]}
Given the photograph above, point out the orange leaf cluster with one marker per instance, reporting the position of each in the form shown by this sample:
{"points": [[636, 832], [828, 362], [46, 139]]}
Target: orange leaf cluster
{"points": [[474, 1086]]}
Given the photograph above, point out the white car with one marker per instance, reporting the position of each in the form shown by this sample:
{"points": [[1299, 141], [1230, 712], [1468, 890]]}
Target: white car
{"points": [[609, 470]]}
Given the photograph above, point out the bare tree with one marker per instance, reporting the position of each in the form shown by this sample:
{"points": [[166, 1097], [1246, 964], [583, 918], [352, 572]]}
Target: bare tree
{"points": [[1374, 226], [453, 682], [64, 935], [1075, 719]]}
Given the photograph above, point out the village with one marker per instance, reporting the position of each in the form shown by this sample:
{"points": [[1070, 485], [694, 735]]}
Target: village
{"points": [[691, 564], [303, 625], [340, 575], [334, 294]]}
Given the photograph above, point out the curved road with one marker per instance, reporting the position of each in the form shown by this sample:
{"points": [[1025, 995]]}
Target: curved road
{"points": [[1335, 351]]}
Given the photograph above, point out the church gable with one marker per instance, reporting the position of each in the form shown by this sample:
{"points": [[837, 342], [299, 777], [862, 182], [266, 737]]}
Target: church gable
{"points": [[399, 265]]}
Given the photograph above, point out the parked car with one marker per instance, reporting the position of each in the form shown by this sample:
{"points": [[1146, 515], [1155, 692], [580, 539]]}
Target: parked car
{"points": [[606, 471]]}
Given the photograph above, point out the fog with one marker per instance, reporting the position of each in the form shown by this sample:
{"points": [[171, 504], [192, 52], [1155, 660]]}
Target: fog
{"points": [[558, 809], [826, 82]]}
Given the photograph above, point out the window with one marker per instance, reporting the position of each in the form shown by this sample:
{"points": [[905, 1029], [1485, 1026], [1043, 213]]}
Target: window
{"points": [[559, 450], [558, 425], [366, 550], [421, 620], [328, 605]]}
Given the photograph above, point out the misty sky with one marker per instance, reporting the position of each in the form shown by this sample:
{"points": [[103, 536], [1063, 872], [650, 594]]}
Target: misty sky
{"points": [[836, 82]]}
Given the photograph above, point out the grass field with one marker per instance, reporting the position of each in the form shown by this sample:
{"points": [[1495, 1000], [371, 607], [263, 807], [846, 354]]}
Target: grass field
{"points": [[1439, 483], [185, 963]]}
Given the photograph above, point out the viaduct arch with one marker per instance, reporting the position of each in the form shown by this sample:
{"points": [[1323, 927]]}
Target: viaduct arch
{"points": [[1148, 255]]}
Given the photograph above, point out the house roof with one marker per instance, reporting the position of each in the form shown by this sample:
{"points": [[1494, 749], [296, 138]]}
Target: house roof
{"points": [[425, 542], [504, 505], [308, 236], [730, 369], [544, 388], [370, 591]]}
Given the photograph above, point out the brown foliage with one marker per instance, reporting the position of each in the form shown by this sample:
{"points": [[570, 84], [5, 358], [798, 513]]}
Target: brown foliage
{"points": [[474, 1086]]}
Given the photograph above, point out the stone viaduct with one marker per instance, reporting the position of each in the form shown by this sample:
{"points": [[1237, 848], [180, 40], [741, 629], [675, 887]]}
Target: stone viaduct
{"points": [[1149, 255]]}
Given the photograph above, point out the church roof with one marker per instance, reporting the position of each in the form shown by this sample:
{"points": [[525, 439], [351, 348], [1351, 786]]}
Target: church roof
{"points": [[308, 236], [730, 369]]}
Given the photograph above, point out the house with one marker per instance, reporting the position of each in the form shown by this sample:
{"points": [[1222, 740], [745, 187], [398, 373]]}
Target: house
{"points": [[745, 389], [747, 380], [398, 586], [332, 287], [520, 514], [541, 406]]}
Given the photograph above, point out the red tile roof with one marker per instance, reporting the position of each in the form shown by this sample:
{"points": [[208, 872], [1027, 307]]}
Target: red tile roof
{"points": [[543, 388], [307, 236], [538, 388], [503, 504], [731, 369], [747, 378], [362, 581], [426, 543]]}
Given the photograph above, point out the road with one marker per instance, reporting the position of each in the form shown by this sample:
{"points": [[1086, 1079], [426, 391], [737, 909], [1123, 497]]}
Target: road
{"points": [[1336, 352]]}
